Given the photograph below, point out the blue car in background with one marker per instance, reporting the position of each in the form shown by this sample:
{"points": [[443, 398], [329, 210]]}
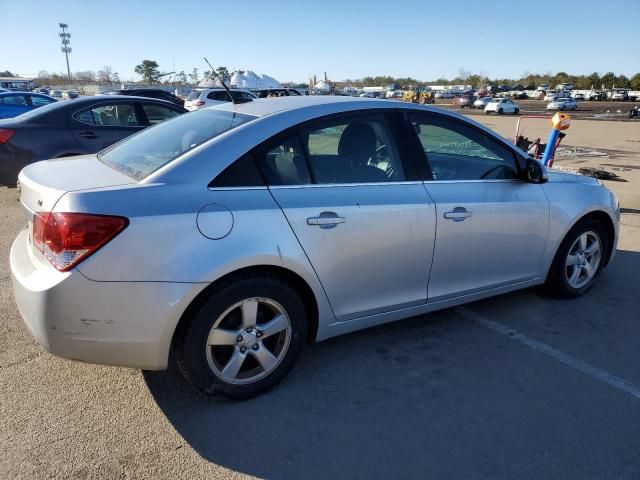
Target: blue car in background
{"points": [[13, 104]]}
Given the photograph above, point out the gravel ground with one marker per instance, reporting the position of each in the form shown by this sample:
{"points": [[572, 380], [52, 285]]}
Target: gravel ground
{"points": [[446, 395]]}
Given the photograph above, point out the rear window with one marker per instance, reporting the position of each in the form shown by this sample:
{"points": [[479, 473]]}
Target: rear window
{"points": [[193, 95], [144, 153]]}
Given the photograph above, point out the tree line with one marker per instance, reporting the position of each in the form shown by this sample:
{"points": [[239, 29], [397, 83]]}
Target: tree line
{"points": [[580, 82]]}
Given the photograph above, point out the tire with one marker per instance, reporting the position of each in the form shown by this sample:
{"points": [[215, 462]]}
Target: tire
{"points": [[240, 342], [487, 112], [500, 111], [558, 282], [517, 111]]}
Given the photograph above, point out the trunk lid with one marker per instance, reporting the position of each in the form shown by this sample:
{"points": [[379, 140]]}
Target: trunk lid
{"points": [[43, 183]]}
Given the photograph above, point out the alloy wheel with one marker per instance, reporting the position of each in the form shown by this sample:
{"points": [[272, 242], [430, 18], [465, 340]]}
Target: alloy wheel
{"points": [[248, 341], [583, 259]]}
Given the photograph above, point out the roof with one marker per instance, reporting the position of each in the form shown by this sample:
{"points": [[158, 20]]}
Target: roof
{"points": [[267, 106]]}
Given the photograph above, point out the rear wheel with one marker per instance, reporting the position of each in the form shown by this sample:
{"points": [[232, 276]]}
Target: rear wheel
{"points": [[244, 338], [517, 111], [579, 260]]}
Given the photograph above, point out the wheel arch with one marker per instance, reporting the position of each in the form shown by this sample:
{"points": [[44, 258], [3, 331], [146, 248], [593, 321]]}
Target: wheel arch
{"points": [[606, 221], [301, 286]]}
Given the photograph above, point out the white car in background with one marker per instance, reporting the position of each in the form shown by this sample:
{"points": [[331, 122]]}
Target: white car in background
{"points": [[481, 102], [502, 105], [565, 103], [206, 97]]}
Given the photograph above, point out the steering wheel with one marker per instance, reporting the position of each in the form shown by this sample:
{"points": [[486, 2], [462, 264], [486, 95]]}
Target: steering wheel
{"points": [[378, 153]]}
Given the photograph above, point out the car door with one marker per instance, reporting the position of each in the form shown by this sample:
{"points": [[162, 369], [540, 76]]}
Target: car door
{"points": [[491, 226], [13, 105], [358, 209], [97, 127]]}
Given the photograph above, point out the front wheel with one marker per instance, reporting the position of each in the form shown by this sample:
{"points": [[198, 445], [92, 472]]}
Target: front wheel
{"points": [[500, 111], [244, 338], [517, 111], [579, 260]]}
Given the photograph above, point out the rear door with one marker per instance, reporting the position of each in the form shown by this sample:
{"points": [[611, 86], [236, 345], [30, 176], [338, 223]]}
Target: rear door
{"points": [[102, 125], [356, 205], [491, 226]]}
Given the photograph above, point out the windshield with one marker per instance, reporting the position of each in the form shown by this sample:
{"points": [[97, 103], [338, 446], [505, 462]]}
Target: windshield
{"points": [[193, 95], [144, 153]]}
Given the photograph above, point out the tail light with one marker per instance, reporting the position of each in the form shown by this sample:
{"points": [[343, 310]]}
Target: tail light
{"points": [[66, 239], [5, 135], [199, 103]]}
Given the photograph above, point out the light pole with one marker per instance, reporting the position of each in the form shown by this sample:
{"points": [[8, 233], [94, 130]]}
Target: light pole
{"points": [[64, 38]]}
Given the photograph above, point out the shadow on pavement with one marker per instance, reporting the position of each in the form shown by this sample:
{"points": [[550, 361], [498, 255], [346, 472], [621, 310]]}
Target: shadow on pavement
{"points": [[434, 395]]}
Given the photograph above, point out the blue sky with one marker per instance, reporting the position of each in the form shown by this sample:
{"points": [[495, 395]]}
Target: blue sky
{"points": [[347, 39]]}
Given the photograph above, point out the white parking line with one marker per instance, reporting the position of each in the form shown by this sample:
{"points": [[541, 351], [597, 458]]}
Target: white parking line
{"points": [[598, 373]]}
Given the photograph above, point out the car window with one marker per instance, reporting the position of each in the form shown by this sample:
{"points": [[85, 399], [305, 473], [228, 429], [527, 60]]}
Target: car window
{"points": [[241, 173], [140, 155], [456, 151], [358, 149], [218, 96], [284, 162], [14, 100], [39, 101], [157, 113], [119, 114]]}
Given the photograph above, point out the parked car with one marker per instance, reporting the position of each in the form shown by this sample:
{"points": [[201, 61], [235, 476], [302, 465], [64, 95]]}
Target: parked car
{"points": [[447, 95], [594, 95], [150, 93], [502, 105], [164, 245], [275, 92], [465, 101], [619, 95], [206, 97], [64, 129], [56, 93], [551, 96], [578, 96], [16, 103], [564, 103], [70, 94], [481, 102]]}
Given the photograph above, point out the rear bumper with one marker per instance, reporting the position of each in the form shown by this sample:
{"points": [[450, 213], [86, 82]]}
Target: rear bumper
{"points": [[128, 324]]}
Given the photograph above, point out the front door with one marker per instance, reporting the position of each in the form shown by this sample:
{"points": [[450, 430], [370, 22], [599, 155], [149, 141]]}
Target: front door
{"points": [[366, 225], [491, 226]]}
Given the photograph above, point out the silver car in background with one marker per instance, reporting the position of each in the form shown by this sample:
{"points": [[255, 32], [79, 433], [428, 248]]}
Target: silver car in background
{"points": [[234, 234]]}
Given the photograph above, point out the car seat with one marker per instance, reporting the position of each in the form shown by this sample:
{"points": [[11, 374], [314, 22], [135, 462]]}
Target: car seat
{"points": [[358, 144]]}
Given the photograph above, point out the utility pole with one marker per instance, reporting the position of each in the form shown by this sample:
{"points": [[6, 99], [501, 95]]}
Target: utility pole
{"points": [[64, 38]]}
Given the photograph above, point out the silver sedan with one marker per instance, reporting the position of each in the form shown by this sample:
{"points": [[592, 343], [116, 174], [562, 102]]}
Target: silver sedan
{"points": [[233, 235]]}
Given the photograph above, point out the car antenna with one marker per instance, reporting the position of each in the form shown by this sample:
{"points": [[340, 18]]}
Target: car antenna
{"points": [[213, 72]]}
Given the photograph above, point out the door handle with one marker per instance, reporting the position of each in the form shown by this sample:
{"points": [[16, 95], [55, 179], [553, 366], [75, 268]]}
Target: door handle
{"points": [[88, 135], [326, 220], [458, 214]]}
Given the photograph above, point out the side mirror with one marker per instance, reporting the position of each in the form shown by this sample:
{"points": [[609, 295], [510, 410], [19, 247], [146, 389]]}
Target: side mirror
{"points": [[535, 172]]}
